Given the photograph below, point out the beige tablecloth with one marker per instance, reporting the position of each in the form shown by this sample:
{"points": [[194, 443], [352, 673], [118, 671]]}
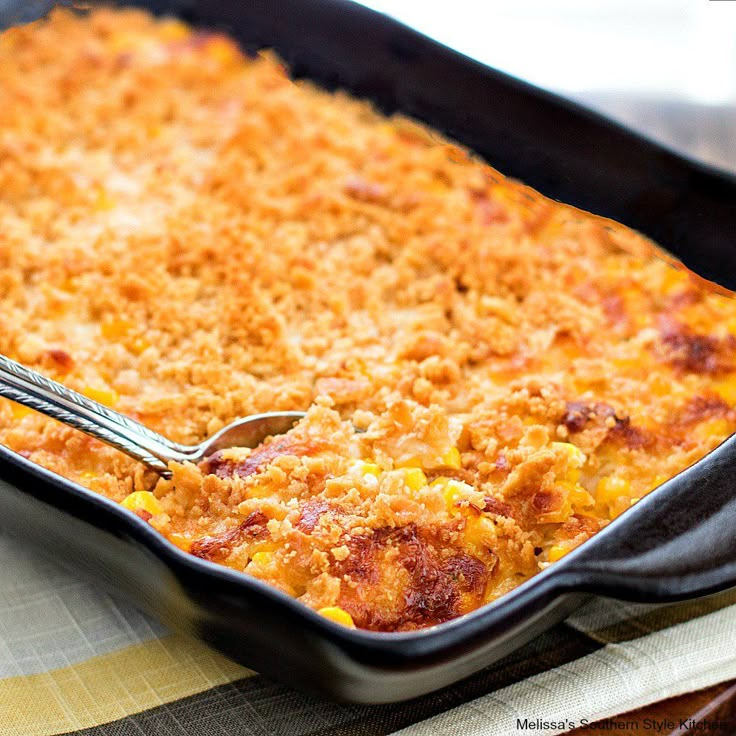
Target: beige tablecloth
{"points": [[74, 659]]}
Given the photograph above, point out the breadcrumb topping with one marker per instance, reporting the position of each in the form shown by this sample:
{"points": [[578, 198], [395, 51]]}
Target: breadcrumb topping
{"points": [[189, 236]]}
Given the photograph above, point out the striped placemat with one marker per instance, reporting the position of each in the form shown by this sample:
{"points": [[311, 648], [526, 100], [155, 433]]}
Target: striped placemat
{"points": [[75, 660]]}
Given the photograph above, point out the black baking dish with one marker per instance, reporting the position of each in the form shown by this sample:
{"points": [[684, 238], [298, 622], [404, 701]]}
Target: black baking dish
{"points": [[677, 543]]}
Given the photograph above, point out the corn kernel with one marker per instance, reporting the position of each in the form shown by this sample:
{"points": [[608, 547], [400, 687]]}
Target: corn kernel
{"points": [[19, 411], [673, 278], [338, 615], [451, 458], [556, 552], [576, 459], [415, 461], [257, 491], [262, 559], [452, 495], [366, 468], [222, 50], [181, 541], [138, 345], [113, 329], [659, 384], [125, 42], [172, 29], [611, 487], [480, 531], [103, 201], [618, 506], [88, 479], [415, 478], [106, 396], [452, 490], [658, 480], [578, 496], [142, 501]]}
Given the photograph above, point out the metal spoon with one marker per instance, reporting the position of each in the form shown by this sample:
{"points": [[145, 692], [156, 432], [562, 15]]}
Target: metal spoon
{"points": [[25, 386]]}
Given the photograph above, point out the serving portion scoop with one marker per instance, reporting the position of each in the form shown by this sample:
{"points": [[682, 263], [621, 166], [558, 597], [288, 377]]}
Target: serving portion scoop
{"points": [[24, 386]]}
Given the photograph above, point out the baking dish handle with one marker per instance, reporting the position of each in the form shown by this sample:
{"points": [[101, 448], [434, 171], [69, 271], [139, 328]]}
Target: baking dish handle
{"points": [[679, 542]]}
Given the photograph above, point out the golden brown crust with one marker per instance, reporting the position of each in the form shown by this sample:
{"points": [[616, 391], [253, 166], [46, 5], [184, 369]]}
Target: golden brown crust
{"points": [[190, 236]]}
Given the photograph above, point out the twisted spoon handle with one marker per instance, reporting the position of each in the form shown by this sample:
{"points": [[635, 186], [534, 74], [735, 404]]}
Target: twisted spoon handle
{"points": [[31, 389]]}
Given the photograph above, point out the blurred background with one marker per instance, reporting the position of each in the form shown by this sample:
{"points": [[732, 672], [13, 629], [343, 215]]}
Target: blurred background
{"points": [[667, 67], [664, 67]]}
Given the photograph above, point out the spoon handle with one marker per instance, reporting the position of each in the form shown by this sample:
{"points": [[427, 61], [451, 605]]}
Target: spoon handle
{"points": [[24, 386]]}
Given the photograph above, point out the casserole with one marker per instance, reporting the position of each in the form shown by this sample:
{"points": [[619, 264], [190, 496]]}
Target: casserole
{"points": [[430, 672]]}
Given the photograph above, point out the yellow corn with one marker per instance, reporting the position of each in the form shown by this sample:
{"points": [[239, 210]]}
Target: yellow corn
{"points": [[611, 487], [138, 344], [673, 278], [451, 458], [19, 411], [116, 329], [415, 478], [106, 396], [338, 615], [480, 531], [103, 201], [262, 558], [618, 506], [658, 480], [576, 459], [172, 29], [440, 482], [142, 501], [452, 490], [261, 491], [222, 50], [415, 461], [180, 540], [113, 329], [366, 468], [125, 42], [556, 552], [578, 496]]}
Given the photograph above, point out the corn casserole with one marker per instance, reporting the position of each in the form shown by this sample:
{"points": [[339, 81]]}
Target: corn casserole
{"points": [[490, 377]]}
